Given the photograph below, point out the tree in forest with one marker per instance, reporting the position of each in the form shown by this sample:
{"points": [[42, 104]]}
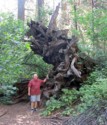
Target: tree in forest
{"points": [[21, 10], [65, 14], [40, 4]]}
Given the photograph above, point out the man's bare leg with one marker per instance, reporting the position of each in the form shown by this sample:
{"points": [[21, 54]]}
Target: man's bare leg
{"points": [[32, 105], [35, 105]]}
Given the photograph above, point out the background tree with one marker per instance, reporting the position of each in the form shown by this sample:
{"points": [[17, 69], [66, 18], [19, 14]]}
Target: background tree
{"points": [[21, 9], [40, 4]]}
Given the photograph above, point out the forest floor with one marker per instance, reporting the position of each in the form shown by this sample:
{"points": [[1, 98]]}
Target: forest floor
{"points": [[20, 114]]}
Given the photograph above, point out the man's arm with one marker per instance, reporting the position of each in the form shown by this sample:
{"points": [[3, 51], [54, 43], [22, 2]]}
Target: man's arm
{"points": [[47, 77], [45, 80], [29, 88], [29, 91]]}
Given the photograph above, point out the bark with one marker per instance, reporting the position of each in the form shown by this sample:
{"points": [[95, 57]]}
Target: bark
{"points": [[65, 17], [21, 11], [96, 115], [40, 4], [52, 24]]}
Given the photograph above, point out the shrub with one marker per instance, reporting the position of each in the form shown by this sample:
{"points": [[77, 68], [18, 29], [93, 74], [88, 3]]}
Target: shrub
{"points": [[7, 91]]}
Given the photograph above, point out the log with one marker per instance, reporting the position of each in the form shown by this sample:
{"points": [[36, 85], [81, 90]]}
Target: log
{"points": [[95, 115]]}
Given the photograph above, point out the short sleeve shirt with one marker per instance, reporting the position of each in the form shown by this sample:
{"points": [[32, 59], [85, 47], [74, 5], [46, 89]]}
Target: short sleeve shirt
{"points": [[34, 85]]}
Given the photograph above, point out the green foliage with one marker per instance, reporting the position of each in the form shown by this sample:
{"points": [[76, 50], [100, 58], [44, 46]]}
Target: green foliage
{"points": [[14, 53], [12, 50], [7, 91], [36, 64], [52, 105], [68, 111], [90, 94], [68, 96], [91, 27], [94, 89], [95, 75], [17, 61], [44, 14], [65, 101], [96, 38]]}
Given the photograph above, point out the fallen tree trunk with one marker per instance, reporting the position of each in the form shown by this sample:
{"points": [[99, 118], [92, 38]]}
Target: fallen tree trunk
{"points": [[96, 115]]}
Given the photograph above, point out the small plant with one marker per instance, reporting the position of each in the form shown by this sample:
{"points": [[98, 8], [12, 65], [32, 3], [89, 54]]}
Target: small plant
{"points": [[90, 94], [68, 111], [52, 105], [69, 96]]}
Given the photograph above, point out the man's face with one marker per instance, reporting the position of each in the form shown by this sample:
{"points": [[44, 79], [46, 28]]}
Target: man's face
{"points": [[35, 76]]}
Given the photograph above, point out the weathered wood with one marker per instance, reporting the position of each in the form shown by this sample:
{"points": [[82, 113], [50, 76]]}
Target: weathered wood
{"points": [[61, 52], [96, 115], [75, 71], [57, 49], [53, 19]]}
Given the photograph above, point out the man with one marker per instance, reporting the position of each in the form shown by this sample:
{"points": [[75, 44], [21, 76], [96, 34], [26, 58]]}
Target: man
{"points": [[34, 91]]}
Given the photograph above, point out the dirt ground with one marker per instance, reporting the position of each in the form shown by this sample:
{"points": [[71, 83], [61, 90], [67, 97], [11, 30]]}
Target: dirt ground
{"points": [[20, 114]]}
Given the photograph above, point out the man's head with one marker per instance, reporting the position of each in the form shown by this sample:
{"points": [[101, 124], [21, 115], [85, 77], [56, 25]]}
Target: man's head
{"points": [[35, 76]]}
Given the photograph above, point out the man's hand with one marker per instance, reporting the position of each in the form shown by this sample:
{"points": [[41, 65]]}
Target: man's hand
{"points": [[28, 94], [45, 79]]}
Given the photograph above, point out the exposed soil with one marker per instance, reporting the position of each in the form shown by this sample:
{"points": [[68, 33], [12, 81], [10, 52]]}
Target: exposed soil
{"points": [[20, 114]]}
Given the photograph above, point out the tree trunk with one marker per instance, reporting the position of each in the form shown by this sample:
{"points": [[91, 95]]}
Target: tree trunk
{"points": [[21, 10], [40, 4], [96, 115], [65, 18]]}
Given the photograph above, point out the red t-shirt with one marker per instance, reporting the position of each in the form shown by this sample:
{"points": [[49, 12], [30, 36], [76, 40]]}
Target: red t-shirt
{"points": [[34, 85]]}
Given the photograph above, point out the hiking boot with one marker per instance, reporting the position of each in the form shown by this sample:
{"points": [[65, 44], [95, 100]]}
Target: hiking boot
{"points": [[35, 109], [32, 111]]}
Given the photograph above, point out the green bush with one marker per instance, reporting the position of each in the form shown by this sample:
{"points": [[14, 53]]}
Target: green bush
{"points": [[12, 49], [68, 96], [64, 102], [93, 90], [16, 58], [7, 91], [17, 61], [52, 105]]}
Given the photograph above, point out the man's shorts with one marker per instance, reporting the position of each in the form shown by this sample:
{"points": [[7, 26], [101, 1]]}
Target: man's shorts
{"points": [[35, 98]]}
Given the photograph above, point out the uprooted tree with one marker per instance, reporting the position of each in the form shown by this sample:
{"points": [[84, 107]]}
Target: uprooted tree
{"points": [[70, 66]]}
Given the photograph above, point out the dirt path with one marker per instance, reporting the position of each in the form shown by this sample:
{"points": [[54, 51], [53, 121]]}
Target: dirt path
{"points": [[19, 114]]}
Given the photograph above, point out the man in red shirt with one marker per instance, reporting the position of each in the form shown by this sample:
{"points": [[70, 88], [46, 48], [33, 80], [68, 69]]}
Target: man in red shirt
{"points": [[34, 91]]}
